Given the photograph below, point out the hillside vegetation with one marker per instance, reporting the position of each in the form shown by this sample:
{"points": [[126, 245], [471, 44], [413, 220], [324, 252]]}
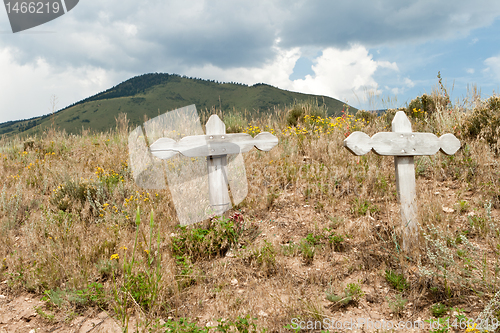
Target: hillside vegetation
{"points": [[318, 236], [149, 95]]}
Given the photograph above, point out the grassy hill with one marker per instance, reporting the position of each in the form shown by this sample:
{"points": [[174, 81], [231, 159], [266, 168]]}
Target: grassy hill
{"points": [[153, 94]]}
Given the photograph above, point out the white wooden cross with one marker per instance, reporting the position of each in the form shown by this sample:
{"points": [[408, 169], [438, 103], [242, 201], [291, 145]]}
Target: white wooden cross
{"points": [[403, 144], [215, 145]]}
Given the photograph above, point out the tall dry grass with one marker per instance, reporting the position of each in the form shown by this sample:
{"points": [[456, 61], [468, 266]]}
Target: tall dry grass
{"points": [[69, 225]]}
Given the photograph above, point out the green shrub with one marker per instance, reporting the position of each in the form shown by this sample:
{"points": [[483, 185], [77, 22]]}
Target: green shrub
{"points": [[366, 116], [484, 124], [352, 294], [397, 281], [397, 304], [265, 257], [313, 239], [181, 325], [307, 249], [438, 310], [142, 287], [200, 243], [235, 122], [71, 192], [336, 242], [296, 114], [290, 249], [92, 295], [360, 207], [421, 106]]}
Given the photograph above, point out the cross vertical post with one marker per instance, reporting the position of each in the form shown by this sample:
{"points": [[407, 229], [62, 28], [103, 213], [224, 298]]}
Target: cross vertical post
{"points": [[405, 184], [217, 170]]}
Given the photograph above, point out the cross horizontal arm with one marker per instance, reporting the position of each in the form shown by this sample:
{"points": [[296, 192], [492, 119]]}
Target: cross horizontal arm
{"points": [[212, 145], [401, 144]]}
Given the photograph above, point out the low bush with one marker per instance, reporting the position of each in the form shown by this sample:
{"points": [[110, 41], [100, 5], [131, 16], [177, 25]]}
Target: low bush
{"points": [[484, 124]]}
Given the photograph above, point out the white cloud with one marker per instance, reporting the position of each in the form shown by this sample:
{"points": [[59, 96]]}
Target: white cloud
{"points": [[470, 70], [343, 74], [493, 66], [409, 83], [275, 72], [27, 88], [389, 65]]}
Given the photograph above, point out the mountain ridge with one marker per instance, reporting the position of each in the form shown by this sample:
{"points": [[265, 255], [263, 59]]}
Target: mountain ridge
{"points": [[151, 94]]}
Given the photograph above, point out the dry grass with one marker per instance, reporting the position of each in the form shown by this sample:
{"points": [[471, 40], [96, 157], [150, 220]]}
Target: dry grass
{"points": [[317, 221]]}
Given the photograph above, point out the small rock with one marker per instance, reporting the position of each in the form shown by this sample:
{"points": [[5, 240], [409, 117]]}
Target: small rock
{"points": [[262, 313], [3, 296], [234, 282], [448, 209], [370, 298]]}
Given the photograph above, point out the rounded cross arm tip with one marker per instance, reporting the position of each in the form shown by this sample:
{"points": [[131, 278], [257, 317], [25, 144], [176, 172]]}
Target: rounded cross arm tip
{"points": [[449, 144], [358, 143], [265, 141]]}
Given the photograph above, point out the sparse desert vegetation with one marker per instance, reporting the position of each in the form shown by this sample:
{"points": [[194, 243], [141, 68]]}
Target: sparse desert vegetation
{"points": [[318, 236]]}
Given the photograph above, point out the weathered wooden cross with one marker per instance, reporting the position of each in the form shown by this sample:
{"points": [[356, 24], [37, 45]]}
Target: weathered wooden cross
{"points": [[403, 144], [215, 145]]}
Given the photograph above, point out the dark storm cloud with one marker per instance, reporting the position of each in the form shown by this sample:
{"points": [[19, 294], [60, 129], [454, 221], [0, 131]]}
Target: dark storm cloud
{"points": [[144, 36], [375, 23]]}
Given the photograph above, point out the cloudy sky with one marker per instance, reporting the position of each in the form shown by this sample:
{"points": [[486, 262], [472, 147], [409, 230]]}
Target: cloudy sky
{"points": [[370, 53]]}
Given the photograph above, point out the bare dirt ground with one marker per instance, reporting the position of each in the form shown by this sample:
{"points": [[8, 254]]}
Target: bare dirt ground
{"points": [[19, 314], [284, 222]]}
